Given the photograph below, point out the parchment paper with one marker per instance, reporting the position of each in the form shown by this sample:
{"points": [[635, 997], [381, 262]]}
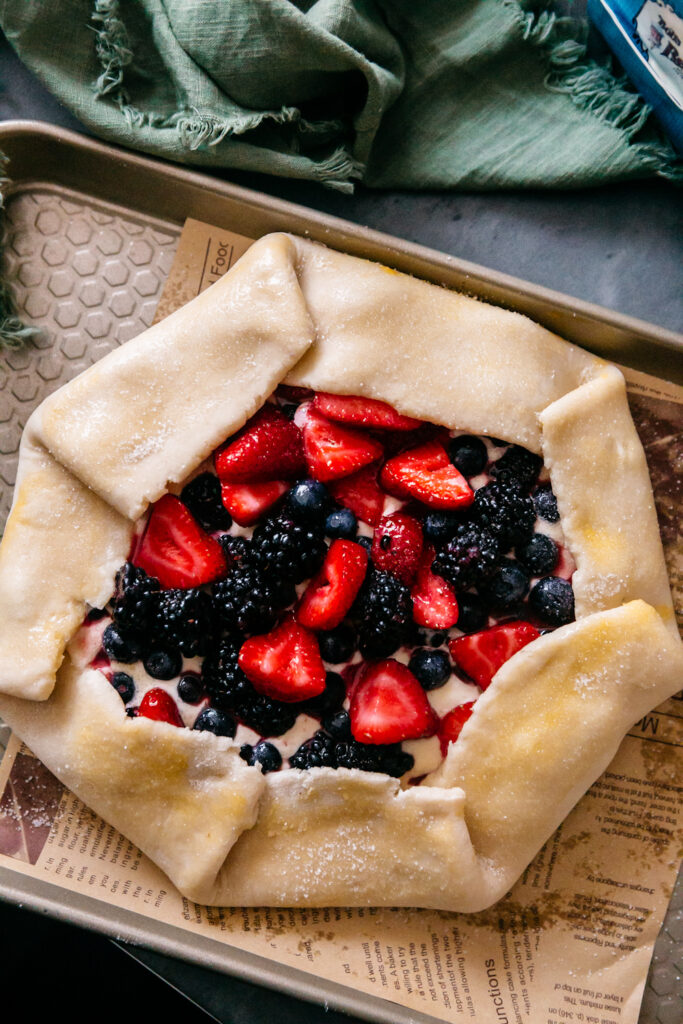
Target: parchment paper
{"points": [[571, 942]]}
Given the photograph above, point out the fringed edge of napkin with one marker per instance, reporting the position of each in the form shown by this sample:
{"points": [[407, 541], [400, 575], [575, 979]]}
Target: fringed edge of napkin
{"points": [[199, 129], [594, 87], [13, 331]]}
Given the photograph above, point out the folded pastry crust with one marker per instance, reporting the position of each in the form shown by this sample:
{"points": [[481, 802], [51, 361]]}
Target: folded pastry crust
{"points": [[98, 451]]}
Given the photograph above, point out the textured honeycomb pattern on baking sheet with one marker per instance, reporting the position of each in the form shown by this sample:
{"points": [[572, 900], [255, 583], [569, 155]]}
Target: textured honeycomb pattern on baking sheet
{"points": [[90, 277]]}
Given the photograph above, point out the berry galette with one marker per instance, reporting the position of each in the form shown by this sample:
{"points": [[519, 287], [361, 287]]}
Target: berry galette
{"points": [[335, 587]]}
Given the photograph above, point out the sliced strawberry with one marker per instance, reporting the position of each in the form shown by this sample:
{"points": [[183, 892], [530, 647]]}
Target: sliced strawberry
{"points": [[427, 474], [332, 451], [389, 705], [364, 412], [434, 602], [160, 706], [285, 663], [330, 593], [246, 503], [269, 447], [397, 546], [175, 548], [361, 493], [451, 724], [481, 654]]}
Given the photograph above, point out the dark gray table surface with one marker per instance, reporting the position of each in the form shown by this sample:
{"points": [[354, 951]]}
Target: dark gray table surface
{"points": [[619, 246]]}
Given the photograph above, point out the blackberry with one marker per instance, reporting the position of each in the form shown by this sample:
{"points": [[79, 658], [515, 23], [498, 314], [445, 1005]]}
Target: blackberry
{"points": [[203, 498], [431, 668], [505, 512], [470, 556], [286, 549], [396, 762], [545, 504], [518, 466], [337, 645], [237, 550], [266, 716], [215, 721], [472, 614], [341, 523], [468, 454], [124, 686], [120, 647], [507, 587], [184, 619], [264, 754], [163, 663], [308, 501], [384, 609], [439, 527], [245, 601], [134, 599], [386, 758], [552, 600], [539, 555], [318, 752]]}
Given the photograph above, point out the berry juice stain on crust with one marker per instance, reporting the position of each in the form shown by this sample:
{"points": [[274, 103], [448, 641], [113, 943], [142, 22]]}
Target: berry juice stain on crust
{"points": [[339, 589]]}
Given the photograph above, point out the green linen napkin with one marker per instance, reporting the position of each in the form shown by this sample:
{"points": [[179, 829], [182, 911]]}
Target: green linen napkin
{"points": [[476, 94]]}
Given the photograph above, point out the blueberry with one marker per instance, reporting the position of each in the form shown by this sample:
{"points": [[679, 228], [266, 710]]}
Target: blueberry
{"points": [[308, 500], [468, 454], [472, 614], [330, 699], [438, 639], [119, 647], [190, 688], [263, 753], [124, 685], [163, 664], [545, 504], [539, 555], [337, 645], [431, 668], [365, 542], [508, 585], [215, 721], [341, 523], [552, 600], [339, 725], [439, 527]]}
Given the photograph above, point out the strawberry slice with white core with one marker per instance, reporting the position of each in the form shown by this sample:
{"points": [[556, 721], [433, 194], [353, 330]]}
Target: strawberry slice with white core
{"points": [[397, 546], [427, 474], [363, 412], [361, 493], [159, 705], [481, 654], [269, 447], [389, 705], [285, 663], [451, 724], [332, 591], [246, 503], [333, 451], [434, 602], [175, 548]]}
